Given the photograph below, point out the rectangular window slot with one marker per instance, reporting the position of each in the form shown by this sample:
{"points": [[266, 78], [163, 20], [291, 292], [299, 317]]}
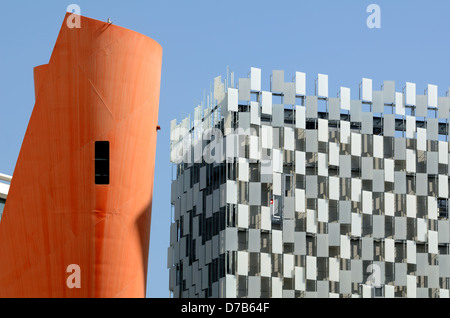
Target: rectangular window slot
{"points": [[102, 162]]}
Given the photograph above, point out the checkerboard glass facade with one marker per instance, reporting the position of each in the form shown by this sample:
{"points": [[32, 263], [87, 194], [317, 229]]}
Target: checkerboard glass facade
{"points": [[311, 196]]}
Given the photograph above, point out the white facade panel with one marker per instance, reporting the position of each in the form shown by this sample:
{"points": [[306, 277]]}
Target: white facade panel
{"points": [[410, 94], [300, 162], [232, 99], [356, 190], [300, 83], [411, 286], [356, 144], [289, 139], [311, 223], [411, 206], [367, 89], [421, 230], [231, 192], [243, 211], [277, 183], [277, 287], [231, 286], [378, 146], [300, 280], [389, 250], [266, 265], [322, 210], [266, 103], [322, 85], [345, 247], [266, 222], [432, 208], [411, 252], [410, 160], [243, 169], [443, 186], [266, 137], [300, 117], [388, 170], [311, 267], [367, 202], [389, 204], [323, 130], [421, 139], [356, 224], [255, 79], [399, 105], [277, 242], [345, 98], [432, 95], [242, 259], [333, 268], [334, 190], [333, 149], [345, 132], [443, 152], [322, 164], [433, 242], [410, 127]]}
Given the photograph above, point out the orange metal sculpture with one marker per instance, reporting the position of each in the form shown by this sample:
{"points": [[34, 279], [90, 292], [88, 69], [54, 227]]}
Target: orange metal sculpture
{"points": [[101, 84]]}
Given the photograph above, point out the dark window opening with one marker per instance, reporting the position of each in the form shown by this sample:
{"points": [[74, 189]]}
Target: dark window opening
{"points": [[221, 265], [378, 291], [443, 208], [102, 162]]}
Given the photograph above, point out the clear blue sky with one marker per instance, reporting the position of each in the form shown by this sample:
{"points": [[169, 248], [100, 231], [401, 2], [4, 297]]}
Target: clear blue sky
{"points": [[201, 38]]}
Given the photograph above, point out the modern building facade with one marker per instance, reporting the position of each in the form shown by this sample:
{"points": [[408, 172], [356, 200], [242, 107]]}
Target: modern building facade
{"points": [[311, 196], [77, 219]]}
